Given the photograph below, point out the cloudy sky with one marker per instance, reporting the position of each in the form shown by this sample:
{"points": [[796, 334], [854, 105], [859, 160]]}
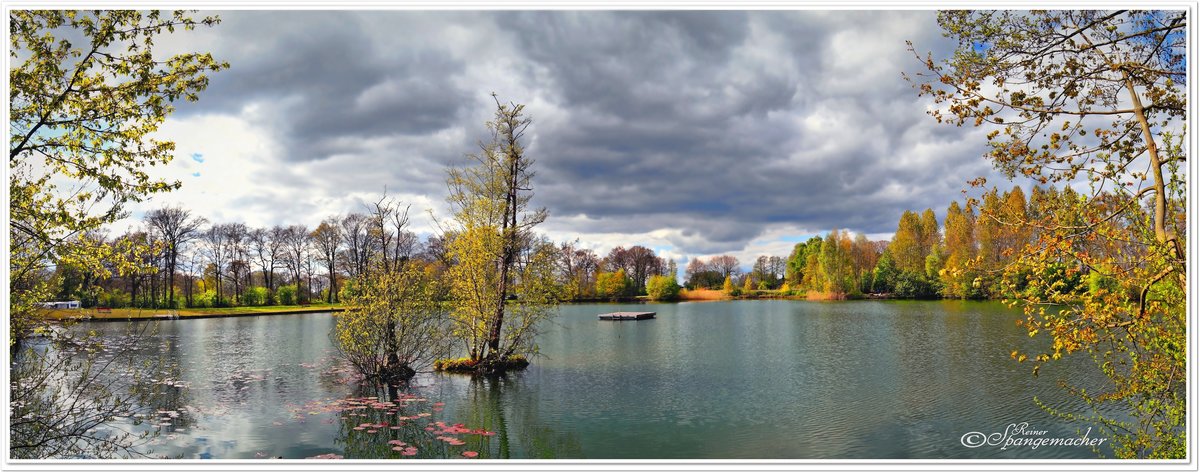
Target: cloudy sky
{"points": [[692, 133]]}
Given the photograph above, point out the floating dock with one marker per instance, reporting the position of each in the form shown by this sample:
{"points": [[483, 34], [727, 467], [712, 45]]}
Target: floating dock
{"points": [[627, 315]]}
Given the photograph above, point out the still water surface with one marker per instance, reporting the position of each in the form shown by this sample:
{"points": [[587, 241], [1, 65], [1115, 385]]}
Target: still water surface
{"points": [[708, 380]]}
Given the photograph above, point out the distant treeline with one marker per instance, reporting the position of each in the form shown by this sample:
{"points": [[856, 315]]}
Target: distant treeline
{"points": [[964, 257], [176, 259], [195, 264]]}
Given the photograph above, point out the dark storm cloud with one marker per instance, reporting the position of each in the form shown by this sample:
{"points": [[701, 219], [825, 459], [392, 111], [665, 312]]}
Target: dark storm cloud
{"points": [[327, 84], [671, 124], [714, 125]]}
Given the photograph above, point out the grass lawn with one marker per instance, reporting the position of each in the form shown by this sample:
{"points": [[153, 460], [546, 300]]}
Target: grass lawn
{"points": [[195, 312]]}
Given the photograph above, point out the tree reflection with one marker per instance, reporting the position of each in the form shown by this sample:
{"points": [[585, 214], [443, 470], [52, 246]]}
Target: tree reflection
{"points": [[497, 419]]}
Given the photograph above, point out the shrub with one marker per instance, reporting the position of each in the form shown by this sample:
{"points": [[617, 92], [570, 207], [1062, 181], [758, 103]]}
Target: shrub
{"points": [[254, 296], [910, 284], [286, 295], [395, 325], [662, 288], [114, 299], [611, 285], [205, 299]]}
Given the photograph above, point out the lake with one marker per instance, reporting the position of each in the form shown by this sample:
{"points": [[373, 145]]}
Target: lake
{"points": [[704, 380]]}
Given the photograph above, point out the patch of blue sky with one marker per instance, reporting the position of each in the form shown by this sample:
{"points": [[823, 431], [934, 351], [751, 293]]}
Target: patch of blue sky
{"points": [[799, 238]]}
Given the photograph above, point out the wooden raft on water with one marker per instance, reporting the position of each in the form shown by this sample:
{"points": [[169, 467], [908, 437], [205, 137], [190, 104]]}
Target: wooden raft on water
{"points": [[627, 316]]}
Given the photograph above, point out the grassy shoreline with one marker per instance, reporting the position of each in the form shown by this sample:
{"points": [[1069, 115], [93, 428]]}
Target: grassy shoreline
{"points": [[192, 313]]}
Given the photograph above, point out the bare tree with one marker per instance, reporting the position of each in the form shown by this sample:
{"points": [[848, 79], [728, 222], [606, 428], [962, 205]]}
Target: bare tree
{"points": [[387, 222], [265, 247], [217, 250], [328, 239], [296, 245], [278, 249], [405, 246], [726, 265], [176, 227], [190, 265], [237, 240], [436, 249], [578, 267], [355, 229]]}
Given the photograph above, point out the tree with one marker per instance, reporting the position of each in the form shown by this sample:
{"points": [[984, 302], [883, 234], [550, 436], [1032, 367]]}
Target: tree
{"points": [[662, 288], [988, 231], [217, 250], [645, 264], [701, 274], [908, 243], [931, 235], [236, 235], [393, 324], [356, 235], [957, 280], [638, 262], [86, 96], [814, 275], [886, 273], [579, 267], [493, 226], [328, 240], [176, 227], [267, 247], [1090, 95], [726, 265], [612, 285], [727, 286], [835, 263], [97, 98], [797, 262], [296, 239], [385, 224], [1013, 218], [768, 270], [191, 266], [864, 256]]}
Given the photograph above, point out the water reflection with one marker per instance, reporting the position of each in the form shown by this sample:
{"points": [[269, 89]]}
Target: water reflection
{"points": [[745, 379], [390, 422]]}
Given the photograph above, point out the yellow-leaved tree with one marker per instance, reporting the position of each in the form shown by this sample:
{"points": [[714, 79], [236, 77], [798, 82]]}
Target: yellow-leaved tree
{"points": [[394, 323], [87, 95], [502, 283], [1088, 97]]}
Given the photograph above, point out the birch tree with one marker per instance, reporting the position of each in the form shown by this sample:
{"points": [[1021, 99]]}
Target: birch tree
{"points": [[1098, 97], [494, 226]]}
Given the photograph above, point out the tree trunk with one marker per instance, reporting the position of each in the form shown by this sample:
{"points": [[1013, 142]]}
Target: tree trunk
{"points": [[171, 276], [1160, 186]]}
